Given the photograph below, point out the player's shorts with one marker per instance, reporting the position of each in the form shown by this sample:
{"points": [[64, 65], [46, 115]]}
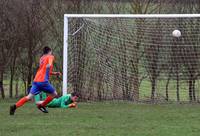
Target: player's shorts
{"points": [[46, 87]]}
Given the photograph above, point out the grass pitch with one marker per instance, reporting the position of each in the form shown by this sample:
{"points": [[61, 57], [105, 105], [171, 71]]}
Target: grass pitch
{"points": [[102, 119]]}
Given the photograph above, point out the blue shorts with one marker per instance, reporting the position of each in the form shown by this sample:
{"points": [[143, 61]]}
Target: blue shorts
{"points": [[46, 87]]}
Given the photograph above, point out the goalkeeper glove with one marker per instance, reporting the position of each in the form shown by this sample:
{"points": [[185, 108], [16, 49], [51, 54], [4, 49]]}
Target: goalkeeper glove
{"points": [[73, 105]]}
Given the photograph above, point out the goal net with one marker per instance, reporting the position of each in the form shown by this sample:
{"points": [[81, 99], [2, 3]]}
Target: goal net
{"points": [[132, 57]]}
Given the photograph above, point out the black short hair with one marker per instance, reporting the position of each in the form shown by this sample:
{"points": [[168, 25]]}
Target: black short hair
{"points": [[75, 94], [46, 50]]}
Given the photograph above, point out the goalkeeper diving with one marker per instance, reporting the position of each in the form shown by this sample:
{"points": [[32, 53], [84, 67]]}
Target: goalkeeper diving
{"points": [[65, 101]]}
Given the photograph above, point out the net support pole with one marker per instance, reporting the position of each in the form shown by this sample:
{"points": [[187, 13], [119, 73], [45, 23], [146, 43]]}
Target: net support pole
{"points": [[65, 56]]}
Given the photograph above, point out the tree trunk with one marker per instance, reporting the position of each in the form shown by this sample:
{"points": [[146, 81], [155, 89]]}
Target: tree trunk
{"points": [[193, 90], [17, 89], [99, 84], [135, 71], [12, 73], [153, 88], [91, 89], [114, 87], [30, 64], [136, 84], [1, 85], [177, 87], [135, 64], [25, 87], [167, 92], [190, 89], [11, 83]]}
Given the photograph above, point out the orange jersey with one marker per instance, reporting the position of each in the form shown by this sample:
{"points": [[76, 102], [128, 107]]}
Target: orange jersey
{"points": [[45, 69]]}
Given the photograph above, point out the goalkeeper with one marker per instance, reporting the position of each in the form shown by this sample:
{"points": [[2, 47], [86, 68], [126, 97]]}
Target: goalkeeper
{"points": [[66, 101]]}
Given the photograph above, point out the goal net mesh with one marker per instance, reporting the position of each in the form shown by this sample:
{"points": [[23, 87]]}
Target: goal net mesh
{"points": [[134, 58]]}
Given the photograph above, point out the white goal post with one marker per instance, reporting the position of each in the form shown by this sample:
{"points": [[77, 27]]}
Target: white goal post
{"points": [[66, 33]]}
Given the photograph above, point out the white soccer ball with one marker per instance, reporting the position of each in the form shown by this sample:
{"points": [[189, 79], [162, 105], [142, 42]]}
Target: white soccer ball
{"points": [[176, 33]]}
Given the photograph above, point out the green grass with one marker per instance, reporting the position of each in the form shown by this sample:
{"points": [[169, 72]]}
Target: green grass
{"points": [[103, 119]]}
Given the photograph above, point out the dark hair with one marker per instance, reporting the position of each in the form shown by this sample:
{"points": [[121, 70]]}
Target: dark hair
{"points": [[75, 94], [46, 50]]}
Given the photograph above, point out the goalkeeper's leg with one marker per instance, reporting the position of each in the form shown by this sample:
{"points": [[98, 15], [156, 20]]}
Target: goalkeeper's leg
{"points": [[39, 98]]}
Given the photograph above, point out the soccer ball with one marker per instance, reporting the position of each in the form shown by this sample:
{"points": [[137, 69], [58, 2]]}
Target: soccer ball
{"points": [[176, 33]]}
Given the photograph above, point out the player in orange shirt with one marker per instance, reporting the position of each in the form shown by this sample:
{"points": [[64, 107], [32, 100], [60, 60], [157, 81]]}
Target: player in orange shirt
{"points": [[40, 83]]}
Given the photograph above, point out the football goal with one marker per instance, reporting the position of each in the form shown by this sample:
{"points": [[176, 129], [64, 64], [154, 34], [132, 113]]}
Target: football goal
{"points": [[132, 56]]}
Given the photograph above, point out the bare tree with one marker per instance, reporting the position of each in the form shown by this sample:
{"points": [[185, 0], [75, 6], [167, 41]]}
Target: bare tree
{"points": [[8, 38]]}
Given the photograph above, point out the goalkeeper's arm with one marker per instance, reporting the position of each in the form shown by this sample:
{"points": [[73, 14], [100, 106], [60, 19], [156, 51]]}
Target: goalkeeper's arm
{"points": [[71, 105]]}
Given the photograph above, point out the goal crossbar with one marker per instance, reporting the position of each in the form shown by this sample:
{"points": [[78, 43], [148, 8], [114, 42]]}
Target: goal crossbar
{"points": [[131, 15]]}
